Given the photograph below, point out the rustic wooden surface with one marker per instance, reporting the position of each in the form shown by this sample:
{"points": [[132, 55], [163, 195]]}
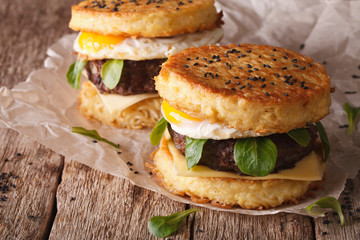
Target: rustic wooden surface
{"points": [[61, 199]]}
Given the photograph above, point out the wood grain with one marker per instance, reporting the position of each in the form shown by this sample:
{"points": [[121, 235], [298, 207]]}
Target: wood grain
{"points": [[93, 205], [27, 211]]}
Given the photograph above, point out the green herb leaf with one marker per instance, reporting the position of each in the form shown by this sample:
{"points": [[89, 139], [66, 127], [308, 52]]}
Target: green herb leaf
{"points": [[301, 136], [74, 72], [255, 156], [324, 139], [163, 226], [353, 114], [328, 202], [158, 131], [193, 151], [111, 72], [93, 134]]}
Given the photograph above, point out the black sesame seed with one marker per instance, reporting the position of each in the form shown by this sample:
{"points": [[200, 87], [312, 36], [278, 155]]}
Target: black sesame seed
{"points": [[31, 217], [218, 60], [250, 71], [18, 154], [295, 65], [210, 61], [249, 85], [294, 60], [272, 83], [233, 89], [216, 75], [274, 59], [248, 51], [249, 66], [303, 68], [264, 85], [241, 68], [284, 68], [267, 94], [5, 160], [306, 87], [237, 83], [285, 57], [150, 173], [276, 74], [228, 82], [302, 46], [242, 87], [259, 56], [355, 76], [256, 69], [205, 59], [243, 55], [195, 64], [118, 152], [236, 77], [286, 94], [274, 49], [295, 80], [130, 169], [94, 141], [186, 66], [347, 92], [272, 55], [136, 172], [310, 65], [324, 233], [205, 65], [188, 59], [324, 62], [290, 83], [197, 58], [115, 9], [229, 66]]}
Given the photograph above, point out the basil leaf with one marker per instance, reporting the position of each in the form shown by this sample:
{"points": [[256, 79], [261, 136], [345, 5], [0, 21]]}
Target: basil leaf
{"points": [[301, 136], [74, 72], [255, 156], [324, 139], [193, 151], [158, 131], [93, 134], [111, 72], [328, 202], [353, 114], [163, 226]]}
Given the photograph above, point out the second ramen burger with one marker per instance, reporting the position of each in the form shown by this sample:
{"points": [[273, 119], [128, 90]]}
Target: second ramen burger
{"points": [[242, 125], [122, 45]]}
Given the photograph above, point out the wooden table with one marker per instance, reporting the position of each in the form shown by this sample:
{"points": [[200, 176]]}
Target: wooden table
{"points": [[50, 196]]}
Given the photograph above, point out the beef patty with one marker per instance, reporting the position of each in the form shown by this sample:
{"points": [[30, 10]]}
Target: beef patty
{"points": [[219, 154], [137, 76]]}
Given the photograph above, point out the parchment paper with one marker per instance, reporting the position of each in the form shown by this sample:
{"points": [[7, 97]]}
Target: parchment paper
{"points": [[44, 106]]}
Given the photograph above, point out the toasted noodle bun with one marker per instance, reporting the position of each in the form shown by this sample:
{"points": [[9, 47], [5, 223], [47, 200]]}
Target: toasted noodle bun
{"points": [[143, 18], [144, 114], [248, 87], [226, 192]]}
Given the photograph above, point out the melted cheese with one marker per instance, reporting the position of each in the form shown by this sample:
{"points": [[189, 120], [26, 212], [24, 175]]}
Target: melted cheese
{"points": [[310, 168], [116, 102]]}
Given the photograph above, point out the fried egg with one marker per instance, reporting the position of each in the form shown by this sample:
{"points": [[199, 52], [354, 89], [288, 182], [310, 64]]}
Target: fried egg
{"points": [[94, 46], [201, 129]]}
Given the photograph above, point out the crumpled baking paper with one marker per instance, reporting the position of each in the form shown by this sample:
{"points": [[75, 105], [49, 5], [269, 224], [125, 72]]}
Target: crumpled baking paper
{"points": [[44, 106]]}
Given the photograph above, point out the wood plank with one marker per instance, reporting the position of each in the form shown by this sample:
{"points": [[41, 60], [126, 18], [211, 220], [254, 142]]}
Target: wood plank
{"points": [[31, 173], [92, 204], [27, 29], [329, 227], [219, 225]]}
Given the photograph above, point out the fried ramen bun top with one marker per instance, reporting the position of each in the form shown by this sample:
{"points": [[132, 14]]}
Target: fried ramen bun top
{"points": [[144, 18], [248, 87]]}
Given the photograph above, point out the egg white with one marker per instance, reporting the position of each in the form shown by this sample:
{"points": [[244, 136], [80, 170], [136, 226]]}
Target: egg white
{"points": [[152, 48], [206, 130]]}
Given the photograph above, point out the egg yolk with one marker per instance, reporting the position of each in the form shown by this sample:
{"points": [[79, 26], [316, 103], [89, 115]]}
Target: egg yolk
{"points": [[93, 42], [170, 111]]}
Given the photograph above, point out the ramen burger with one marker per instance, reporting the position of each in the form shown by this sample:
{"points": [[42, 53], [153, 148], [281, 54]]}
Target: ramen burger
{"points": [[121, 46], [241, 125]]}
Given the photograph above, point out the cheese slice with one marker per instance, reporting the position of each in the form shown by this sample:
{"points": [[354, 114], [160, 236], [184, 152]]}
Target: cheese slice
{"points": [[116, 102], [310, 168]]}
